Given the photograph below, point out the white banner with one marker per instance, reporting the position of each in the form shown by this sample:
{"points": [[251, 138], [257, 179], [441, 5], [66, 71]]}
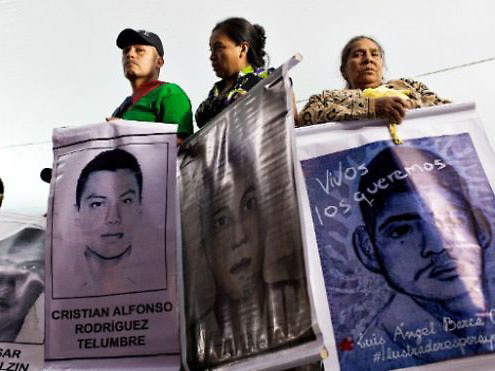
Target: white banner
{"points": [[111, 289], [405, 237]]}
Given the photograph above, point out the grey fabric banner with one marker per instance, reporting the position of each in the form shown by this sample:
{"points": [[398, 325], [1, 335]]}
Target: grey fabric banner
{"points": [[244, 270]]}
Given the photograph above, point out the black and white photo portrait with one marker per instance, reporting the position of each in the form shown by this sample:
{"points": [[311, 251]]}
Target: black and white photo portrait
{"points": [[111, 242], [22, 282], [108, 210], [105, 227]]}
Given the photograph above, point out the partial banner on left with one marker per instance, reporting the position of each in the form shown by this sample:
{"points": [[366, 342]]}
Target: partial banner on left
{"points": [[22, 281], [111, 242]]}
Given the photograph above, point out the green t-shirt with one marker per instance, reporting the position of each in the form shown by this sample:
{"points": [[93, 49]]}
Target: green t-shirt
{"points": [[166, 103]]}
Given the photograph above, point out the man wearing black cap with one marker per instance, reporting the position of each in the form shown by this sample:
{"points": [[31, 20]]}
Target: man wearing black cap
{"points": [[151, 99]]}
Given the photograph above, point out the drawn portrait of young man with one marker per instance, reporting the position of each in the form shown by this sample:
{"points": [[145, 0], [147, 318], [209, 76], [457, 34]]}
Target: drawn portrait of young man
{"points": [[423, 236], [108, 211]]}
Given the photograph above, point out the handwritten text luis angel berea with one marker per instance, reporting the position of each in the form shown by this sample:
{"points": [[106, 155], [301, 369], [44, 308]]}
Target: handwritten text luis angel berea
{"points": [[463, 333]]}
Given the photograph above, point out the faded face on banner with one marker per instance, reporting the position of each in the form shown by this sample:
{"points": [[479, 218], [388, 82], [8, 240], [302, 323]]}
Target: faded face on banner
{"points": [[235, 251], [22, 275]]}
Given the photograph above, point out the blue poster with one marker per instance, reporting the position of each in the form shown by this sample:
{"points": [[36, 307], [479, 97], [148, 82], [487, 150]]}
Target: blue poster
{"points": [[405, 237]]}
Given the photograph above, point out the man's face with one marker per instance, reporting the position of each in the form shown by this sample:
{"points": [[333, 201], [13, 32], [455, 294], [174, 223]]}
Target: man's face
{"points": [[235, 251], [141, 61], [109, 212], [428, 247], [22, 271]]}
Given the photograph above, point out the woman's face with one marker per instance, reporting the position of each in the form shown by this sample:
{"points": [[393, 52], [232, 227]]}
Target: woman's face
{"points": [[235, 252], [227, 58], [364, 65]]}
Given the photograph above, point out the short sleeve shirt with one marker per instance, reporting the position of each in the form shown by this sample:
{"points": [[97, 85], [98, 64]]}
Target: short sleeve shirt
{"points": [[166, 103]]}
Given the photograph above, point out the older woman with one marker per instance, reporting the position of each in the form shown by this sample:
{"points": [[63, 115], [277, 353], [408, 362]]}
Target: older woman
{"points": [[361, 66], [237, 57]]}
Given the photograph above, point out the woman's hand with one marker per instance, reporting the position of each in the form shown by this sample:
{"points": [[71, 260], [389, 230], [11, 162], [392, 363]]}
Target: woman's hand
{"points": [[393, 108]]}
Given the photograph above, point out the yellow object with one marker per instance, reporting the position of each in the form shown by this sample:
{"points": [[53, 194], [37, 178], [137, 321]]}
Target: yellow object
{"points": [[392, 128], [383, 91], [324, 353]]}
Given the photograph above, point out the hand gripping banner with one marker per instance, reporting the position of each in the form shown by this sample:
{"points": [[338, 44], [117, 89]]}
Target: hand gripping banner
{"points": [[405, 237], [247, 303], [111, 242]]}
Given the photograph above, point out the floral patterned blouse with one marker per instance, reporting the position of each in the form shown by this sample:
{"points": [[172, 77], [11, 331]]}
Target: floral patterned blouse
{"points": [[216, 102]]}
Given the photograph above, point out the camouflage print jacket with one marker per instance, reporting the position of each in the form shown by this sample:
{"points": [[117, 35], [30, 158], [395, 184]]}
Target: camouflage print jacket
{"points": [[349, 104]]}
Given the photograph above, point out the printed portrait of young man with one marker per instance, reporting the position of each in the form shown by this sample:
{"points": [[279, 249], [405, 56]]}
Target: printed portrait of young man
{"points": [[108, 210], [22, 281]]}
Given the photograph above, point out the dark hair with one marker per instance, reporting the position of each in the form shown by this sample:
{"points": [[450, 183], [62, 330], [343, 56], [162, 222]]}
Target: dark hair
{"points": [[1, 191], [240, 30], [417, 167], [113, 160], [346, 51]]}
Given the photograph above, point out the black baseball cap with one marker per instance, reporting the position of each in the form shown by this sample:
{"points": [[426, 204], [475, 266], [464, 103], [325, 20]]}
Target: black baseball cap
{"points": [[130, 37], [46, 175]]}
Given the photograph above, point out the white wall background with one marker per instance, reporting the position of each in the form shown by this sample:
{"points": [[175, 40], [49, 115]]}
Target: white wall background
{"points": [[60, 66]]}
